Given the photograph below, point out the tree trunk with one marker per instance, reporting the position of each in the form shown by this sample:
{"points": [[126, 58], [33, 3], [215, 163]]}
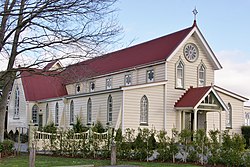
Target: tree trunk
{"points": [[8, 81], [2, 115]]}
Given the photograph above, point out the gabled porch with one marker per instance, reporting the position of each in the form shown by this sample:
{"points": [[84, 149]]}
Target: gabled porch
{"points": [[193, 106]]}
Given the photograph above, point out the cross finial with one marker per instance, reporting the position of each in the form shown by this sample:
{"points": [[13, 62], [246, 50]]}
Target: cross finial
{"points": [[195, 12]]}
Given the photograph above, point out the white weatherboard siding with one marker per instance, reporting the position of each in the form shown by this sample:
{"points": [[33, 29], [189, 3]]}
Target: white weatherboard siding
{"points": [[247, 109], [213, 121], [138, 77], [70, 89], [132, 101], [190, 79], [237, 112], [22, 120], [99, 108]]}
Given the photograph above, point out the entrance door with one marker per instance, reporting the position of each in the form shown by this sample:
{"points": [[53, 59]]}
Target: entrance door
{"points": [[40, 121], [202, 123], [189, 121]]}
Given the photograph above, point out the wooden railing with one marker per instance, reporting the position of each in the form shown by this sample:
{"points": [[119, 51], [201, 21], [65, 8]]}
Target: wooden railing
{"points": [[44, 139]]}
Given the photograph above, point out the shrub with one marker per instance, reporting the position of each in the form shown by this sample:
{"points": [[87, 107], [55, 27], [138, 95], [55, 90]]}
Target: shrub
{"points": [[163, 146], [232, 149], [98, 127], [200, 146], [245, 130], [50, 128], [186, 141], [78, 127], [214, 147], [6, 134], [6, 146], [118, 136], [11, 135], [1, 147], [16, 136]]}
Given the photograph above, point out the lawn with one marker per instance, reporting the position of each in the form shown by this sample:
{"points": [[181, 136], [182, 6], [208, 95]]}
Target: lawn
{"points": [[47, 161]]}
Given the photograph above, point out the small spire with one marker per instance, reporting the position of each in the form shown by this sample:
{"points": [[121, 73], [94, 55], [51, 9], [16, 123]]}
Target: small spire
{"points": [[195, 12]]}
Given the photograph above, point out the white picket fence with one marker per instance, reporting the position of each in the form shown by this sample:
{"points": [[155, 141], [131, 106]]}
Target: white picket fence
{"points": [[42, 140]]}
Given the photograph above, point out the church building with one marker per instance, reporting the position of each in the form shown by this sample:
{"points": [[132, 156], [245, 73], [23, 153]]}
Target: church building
{"points": [[164, 83]]}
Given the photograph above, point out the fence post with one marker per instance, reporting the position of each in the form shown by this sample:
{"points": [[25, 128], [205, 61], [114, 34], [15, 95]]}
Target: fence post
{"points": [[19, 142], [32, 156], [113, 153], [31, 134]]}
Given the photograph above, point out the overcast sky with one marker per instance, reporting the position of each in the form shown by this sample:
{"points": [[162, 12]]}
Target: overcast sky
{"points": [[225, 24]]}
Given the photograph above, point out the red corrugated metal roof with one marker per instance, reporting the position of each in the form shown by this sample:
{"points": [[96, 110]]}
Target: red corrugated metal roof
{"points": [[37, 86], [192, 96], [142, 54]]}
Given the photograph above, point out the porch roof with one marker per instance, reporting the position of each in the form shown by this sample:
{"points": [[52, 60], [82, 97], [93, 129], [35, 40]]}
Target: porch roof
{"points": [[193, 97]]}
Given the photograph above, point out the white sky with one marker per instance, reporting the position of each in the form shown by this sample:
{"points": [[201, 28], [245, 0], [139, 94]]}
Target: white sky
{"points": [[225, 25]]}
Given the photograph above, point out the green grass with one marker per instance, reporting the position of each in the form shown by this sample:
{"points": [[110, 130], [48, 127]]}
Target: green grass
{"points": [[47, 161]]}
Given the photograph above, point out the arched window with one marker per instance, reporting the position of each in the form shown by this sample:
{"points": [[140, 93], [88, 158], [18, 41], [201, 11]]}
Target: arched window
{"points": [[89, 111], [144, 110], [229, 116], [35, 114], [47, 113], [109, 109], [247, 119], [180, 75], [201, 75], [71, 116], [78, 88], [17, 96], [57, 114]]}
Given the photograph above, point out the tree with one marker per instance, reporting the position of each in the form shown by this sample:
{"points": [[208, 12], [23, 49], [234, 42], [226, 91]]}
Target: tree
{"points": [[44, 30]]}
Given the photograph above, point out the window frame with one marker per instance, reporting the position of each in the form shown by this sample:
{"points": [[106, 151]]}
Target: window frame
{"points": [[35, 114], [180, 62], [148, 80], [247, 119], [229, 116], [204, 75], [71, 112], [109, 83], [144, 110], [57, 114], [17, 104], [78, 85], [109, 109], [89, 111], [47, 113], [125, 79], [90, 86]]}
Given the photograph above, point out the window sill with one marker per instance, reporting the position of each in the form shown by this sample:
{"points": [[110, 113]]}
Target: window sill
{"points": [[16, 118], [109, 123], [71, 124], [179, 88], [143, 124], [229, 128]]}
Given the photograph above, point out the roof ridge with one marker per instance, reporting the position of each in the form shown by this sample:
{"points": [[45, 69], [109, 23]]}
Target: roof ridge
{"points": [[145, 53], [136, 45]]}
